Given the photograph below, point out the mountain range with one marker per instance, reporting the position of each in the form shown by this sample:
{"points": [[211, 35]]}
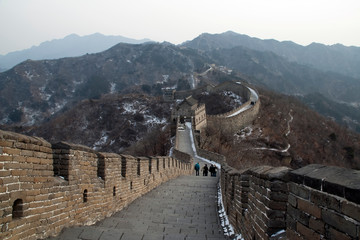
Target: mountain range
{"points": [[35, 92], [71, 46], [329, 72], [335, 58]]}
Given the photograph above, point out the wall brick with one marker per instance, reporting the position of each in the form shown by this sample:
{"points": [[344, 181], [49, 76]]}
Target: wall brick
{"points": [[309, 208], [317, 225], [326, 200], [335, 235], [299, 190], [293, 235], [307, 233], [4, 143], [11, 151], [339, 222], [6, 158], [292, 200], [350, 209]]}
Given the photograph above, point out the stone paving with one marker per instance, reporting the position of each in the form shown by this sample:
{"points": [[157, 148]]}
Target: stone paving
{"points": [[181, 209], [184, 208]]}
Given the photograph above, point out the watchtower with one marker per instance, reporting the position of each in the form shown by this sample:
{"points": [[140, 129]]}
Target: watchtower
{"points": [[189, 109]]}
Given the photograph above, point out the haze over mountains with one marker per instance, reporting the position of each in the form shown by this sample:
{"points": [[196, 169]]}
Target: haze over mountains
{"points": [[334, 58], [70, 46], [35, 91]]}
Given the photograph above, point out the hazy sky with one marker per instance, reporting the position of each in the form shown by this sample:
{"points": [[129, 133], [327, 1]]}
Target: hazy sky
{"points": [[25, 23]]}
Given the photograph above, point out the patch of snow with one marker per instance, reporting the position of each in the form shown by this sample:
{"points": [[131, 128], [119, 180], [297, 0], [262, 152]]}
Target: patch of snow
{"points": [[278, 233], [75, 84], [112, 87], [31, 116], [5, 120], [165, 77], [103, 139], [43, 95], [28, 75], [130, 107], [172, 141], [192, 82], [245, 132], [291, 119], [238, 99], [58, 106], [152, 120], [254, 96], [240, 111], [274, 149]]}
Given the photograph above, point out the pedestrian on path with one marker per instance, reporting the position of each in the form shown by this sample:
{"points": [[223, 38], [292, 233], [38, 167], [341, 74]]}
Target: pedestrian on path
{"points": [[197, 168], [212, 170], [205, 170]]}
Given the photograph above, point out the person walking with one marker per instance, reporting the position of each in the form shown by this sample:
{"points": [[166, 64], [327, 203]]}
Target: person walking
{"points": [[214, 170], [205, 170], [197, 169], [211, 170]]}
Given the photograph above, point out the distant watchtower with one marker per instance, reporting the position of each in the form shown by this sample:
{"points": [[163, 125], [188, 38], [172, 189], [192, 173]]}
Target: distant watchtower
{"points": [[168, 94], [189, 109]]}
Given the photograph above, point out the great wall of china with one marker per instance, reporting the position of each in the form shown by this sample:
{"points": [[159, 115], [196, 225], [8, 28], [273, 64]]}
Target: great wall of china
{"points": [[46, 187], [313, 202]]}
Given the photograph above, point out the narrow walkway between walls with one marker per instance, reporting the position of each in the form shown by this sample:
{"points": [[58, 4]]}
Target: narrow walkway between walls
{"points": [[184, 208]]}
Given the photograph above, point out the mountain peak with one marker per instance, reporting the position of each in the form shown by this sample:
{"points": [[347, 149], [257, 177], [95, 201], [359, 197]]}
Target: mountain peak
{"points": [[231, 33], [70, 36]]}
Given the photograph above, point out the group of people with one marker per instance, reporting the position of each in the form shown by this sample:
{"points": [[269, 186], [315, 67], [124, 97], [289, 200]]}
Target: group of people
{"points": [[212, 169]]}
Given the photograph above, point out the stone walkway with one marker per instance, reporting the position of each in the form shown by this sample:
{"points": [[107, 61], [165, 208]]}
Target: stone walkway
{"points": [[181, 209], [184, 208]]}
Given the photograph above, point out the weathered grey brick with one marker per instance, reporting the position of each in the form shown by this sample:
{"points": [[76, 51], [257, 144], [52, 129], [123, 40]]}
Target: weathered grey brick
{"points": [[339, 222]]}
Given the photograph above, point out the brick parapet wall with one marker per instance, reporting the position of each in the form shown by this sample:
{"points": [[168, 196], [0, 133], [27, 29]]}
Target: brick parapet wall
{"points": [[224, 115], [255, 199], [235, 122], [184, 156], [45, 187], [324, 203], [313, 202], [242, 119], [267, 202]]}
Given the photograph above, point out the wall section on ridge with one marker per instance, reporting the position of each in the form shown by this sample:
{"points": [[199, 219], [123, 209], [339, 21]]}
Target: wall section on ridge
{"points": [[247, 111]]}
